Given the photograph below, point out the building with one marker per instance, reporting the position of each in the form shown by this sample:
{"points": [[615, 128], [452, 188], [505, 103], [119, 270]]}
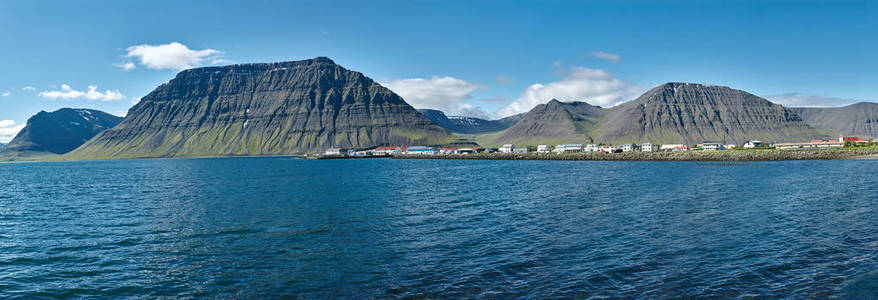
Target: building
{"points": [[507, 148], [448, 151], [730, 146], [568, 148], [543, 148], [591, 148], [334, 151], [815, 144], [389, 150], [467, 150], [674, 147], [422, 150], [488, 150], [752, 144], [646, 147], [520, 149], [626, 147], [710, 146], [607, 149]]}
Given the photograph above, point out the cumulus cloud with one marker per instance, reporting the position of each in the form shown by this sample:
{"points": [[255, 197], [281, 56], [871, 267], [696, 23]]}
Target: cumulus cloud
{"points": [[127, 66], [8, 130], [597, 87], [610, 57], [173, 56], [68, 93], [806, 100], [6, 94], [447, 94], [28, 88]]}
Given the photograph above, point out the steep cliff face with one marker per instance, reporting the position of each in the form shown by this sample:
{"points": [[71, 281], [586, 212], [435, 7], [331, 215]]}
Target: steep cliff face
{"points": [[264, 109], [860, 119], [670, 113], [58, 132], [691, 113], [469, 125]]}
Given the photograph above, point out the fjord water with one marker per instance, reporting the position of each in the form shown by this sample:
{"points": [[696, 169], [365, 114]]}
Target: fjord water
{"points": [[264, 227]]}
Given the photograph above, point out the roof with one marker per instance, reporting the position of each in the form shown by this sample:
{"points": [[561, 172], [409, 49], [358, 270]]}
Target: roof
{"points": [[808, 144]]}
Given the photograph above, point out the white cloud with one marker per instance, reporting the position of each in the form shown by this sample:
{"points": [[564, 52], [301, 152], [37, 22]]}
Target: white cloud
{"points": [[8, 130], [806, 100], [610, 57], [556, 63], [447, 94], [67, 93], [173, 56], [28, 88], [597, 87], [127, 66], [6, 94]]}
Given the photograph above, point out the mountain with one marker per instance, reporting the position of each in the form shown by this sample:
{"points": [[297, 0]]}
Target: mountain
{"points": [[469, 125], [670, 113], [692, 113], [58, 132], [2, 145], [860, 119], [264, 109], [555, 121]]}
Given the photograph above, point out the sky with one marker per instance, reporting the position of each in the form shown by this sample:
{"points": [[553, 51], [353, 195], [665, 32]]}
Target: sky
{"points": [[487, 59]]}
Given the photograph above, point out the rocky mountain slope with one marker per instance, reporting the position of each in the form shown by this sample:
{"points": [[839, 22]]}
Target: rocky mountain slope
{"points": [[469, 125], [670, 113], [692, 113], [58, 132], [555, 121], [859, 119], [264, 109]]}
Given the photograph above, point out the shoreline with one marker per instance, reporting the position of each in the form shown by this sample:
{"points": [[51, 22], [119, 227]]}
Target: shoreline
{"points": [[720, 155]]}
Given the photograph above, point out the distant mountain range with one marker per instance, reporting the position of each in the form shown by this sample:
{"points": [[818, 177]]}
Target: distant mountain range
{"points": [[310, 105], [469, 125], [58, 132], [670, 113], [265, 109]]}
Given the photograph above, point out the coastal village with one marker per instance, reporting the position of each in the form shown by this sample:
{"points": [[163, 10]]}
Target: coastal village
{"points": [[388, 151]]}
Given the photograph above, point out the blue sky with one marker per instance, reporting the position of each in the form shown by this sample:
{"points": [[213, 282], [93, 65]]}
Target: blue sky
{"points": [[488, 58]]}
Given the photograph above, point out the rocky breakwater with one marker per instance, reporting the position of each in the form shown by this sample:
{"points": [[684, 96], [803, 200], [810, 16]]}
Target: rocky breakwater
{"points": [[736, 155]]}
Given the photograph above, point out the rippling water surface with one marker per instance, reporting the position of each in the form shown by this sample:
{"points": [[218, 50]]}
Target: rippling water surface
{"points": [[266, 227]]}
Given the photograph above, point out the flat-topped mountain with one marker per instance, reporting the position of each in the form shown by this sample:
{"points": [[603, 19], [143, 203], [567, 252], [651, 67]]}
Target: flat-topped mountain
{"points": [[859, 119], [468, 125], [264, 109], [58, 132], [670, 113]]}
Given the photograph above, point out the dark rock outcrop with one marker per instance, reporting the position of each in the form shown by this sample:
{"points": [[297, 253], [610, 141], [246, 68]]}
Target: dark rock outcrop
{"points": [[264, 109], [58, 132]]}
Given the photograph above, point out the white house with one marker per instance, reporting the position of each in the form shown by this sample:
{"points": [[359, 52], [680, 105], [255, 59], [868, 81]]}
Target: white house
{"points": [[333, 151], [626, 147], [421, 150], [707, 146], [543, 148], [568, 148], [752, 144], [646, 147], [507, 148], [607, 149], [520, 149], [591, 148]]}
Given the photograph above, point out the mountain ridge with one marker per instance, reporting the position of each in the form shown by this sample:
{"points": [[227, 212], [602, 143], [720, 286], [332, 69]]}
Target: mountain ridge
{"points": [[58, 132]]}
